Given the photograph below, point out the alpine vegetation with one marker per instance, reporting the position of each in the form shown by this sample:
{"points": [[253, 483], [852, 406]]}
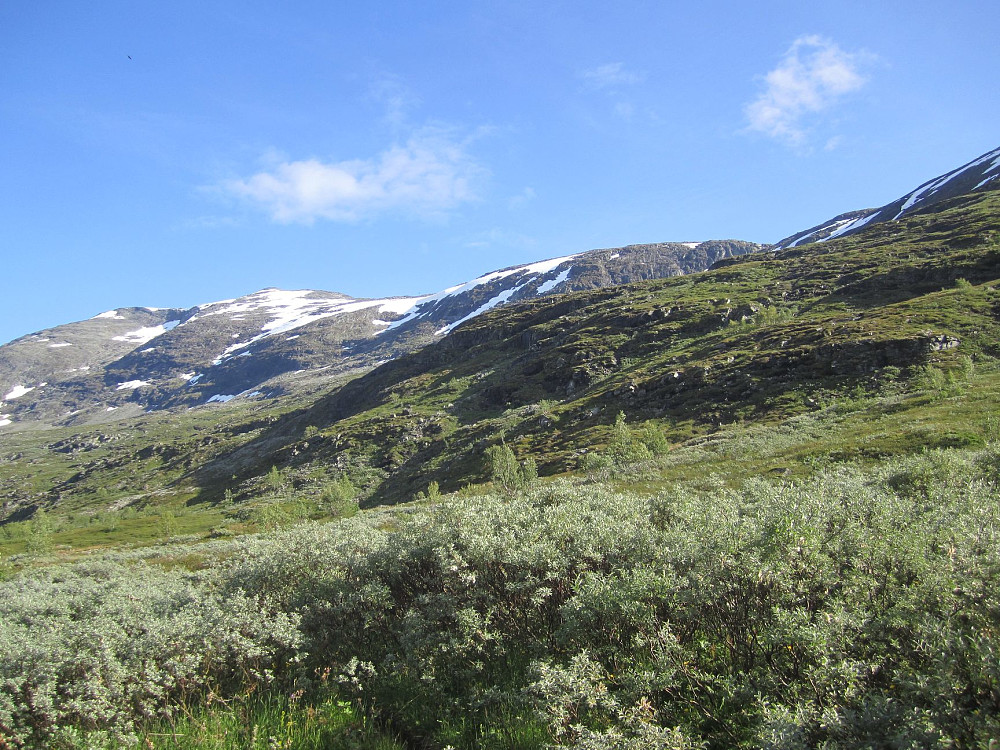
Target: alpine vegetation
{"points": [[836, 611], [751, 507]]}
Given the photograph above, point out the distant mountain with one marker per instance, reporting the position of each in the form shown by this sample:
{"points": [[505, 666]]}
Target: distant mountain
{"points": [[130, 360], [975, 175]]}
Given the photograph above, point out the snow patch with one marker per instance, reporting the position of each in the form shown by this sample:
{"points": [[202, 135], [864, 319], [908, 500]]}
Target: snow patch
{"points": [[220, 398], [193, 378], [17, 391], [401, 305], [110, 314], [425, 304], [60, 345], [691, 245], [146, 334], [850, 226], [553, 283], [991, 177], [131, 385], [807, 238], [293, 309], [5, 420], [928, 189], [505, 295]]}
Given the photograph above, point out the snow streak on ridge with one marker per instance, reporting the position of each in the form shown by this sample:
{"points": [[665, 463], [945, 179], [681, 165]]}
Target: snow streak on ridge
{"points": [[425, 305]]}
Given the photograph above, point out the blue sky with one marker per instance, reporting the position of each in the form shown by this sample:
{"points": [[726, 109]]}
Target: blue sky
{"points": [[171, 154]]}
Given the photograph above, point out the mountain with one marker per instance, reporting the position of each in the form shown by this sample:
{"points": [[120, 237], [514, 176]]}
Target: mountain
{"points": [[380, 397], [127, 361], [758, 338], [710, 500], [978, 174]]}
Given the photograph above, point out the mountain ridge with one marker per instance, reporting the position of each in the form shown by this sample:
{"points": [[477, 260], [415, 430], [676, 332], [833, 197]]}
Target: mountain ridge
{"points": [[971, 176], [125, 361], [762, 336], [139, 359]]}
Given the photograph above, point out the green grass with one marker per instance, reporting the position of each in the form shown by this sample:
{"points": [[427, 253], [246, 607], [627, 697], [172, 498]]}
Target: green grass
{"points": [[269, 722]]}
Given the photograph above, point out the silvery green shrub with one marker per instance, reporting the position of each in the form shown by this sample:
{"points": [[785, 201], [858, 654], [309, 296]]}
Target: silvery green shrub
{"points": [[841, 610], [106, 646]]}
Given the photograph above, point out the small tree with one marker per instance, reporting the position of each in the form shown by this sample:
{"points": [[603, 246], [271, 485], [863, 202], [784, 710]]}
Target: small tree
{"points": [[40, 533], [624, 448], [274, 479], [505, 473]]}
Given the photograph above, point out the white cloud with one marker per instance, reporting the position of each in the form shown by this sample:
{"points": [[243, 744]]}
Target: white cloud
{"points": [[429, 175], [833, 143], [813, 75], [611, 75]]}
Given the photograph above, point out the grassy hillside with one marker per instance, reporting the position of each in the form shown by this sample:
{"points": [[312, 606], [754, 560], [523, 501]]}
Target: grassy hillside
{"points": [[760, 339], [855, 608], [899, 322], [766, 517]]}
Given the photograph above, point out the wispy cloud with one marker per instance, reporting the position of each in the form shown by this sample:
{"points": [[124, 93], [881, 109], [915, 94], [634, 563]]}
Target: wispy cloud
{"points": [[397, 100], [813, 75], [521, 199], [610, 76], [614, 80], [498, 237], [426, 177]]}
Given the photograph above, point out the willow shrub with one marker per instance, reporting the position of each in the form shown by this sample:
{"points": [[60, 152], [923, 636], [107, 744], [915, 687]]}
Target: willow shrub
{"points": [[859, 608], [859, 605], [103, 648]]}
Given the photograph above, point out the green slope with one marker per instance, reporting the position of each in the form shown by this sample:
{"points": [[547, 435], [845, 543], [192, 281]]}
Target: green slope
{"points": [[885, 340], [760, 339]]}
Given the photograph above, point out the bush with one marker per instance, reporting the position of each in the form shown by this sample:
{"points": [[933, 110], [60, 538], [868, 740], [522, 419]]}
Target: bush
{"points": [[109, 646], [857, 608]]}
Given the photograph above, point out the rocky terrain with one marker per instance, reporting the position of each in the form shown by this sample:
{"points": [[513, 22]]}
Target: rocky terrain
{"points": [[127, 361]]}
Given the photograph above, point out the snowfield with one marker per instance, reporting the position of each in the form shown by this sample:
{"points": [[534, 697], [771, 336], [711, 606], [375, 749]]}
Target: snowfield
{"points": [[424, 305], [17, 391], [147, 334], [131, 385], [289, 310]]}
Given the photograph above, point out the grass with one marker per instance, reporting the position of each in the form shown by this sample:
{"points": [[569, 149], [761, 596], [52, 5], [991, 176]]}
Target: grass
{"points": [[269, 722]]}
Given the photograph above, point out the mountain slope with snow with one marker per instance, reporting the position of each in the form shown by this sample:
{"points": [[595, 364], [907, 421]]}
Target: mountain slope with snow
{"points": [[981, 173], [129, 360]]}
